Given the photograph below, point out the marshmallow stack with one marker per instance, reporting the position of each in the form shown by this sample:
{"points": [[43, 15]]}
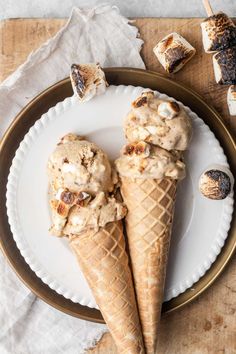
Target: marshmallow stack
{"points": [[219, 37]]}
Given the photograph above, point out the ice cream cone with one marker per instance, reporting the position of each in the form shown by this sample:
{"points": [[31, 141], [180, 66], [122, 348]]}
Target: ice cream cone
{"points": [[104, 262], [150, 204]]}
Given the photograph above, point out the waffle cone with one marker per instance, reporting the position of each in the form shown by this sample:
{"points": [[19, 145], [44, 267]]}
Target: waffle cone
{"points": [[104, 262], [150, 204]]}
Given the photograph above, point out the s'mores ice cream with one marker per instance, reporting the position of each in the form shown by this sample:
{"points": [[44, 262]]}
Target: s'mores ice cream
{"points": [[150, 166], [160, 122], [87, 212], [80, 166]]}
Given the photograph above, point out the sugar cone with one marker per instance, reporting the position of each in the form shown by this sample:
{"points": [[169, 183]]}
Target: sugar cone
{"points": [[150, 204], [104, 262]]}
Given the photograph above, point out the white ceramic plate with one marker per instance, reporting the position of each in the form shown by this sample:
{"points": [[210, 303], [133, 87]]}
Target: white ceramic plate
{"points": [[200, 225]]}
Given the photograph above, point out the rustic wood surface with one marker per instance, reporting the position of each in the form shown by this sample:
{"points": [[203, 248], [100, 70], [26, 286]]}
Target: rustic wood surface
{"points": [[208, 325]]}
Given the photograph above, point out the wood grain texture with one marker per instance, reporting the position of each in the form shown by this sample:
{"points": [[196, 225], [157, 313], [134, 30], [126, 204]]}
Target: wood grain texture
{"points": [[208, 325]]}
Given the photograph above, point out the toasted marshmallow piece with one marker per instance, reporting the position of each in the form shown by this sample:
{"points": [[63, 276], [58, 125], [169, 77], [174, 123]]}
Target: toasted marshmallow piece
{"points": [[231, 100], [87, 80], [62, 206], [218, 33], [168, 110], [143, 99], [216, 183], [59, 216], [141, 149], [173, 52], [224, 64]]}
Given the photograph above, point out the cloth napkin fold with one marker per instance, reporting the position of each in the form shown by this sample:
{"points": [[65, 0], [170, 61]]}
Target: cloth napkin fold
{"points": [[102, 34], [99, 35]]}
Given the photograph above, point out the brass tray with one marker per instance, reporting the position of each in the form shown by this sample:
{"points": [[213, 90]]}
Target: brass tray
{"points": [[33, 111]]}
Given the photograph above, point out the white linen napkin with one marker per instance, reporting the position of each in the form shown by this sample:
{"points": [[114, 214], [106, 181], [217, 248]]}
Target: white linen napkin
{"points": [[28, 325], [99, 35]]}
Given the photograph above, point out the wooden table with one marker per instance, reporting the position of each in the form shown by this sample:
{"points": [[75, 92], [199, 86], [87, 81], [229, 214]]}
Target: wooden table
{"points": [[208, 325]]}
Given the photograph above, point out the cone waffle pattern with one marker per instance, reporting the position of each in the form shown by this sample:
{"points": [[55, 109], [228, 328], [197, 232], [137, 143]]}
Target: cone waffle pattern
{"points": [[104, 262], [150, 204]]}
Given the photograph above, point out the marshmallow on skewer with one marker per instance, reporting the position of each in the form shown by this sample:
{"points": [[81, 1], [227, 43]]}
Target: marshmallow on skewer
{"points": [[231, 100], [218, 33], [174, 52], [224, 64]]}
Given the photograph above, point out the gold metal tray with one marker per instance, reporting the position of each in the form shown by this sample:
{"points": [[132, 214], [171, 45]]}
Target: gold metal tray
{"points": [[33, 111]]}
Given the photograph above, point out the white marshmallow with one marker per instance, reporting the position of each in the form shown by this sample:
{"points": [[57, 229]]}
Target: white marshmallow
{"points": [[59, 223], [168, 110], [58, 194], [68, 168], [206, 40], [231, 100], [217, 70]]}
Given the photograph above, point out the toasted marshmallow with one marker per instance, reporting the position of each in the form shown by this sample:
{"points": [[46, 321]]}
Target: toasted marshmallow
{"points": [[216, 183], [231, 100], [58, 224], [143, 99], [174, 52], [141, 149], [224, 64], [62, 205], [168, 110], [59, 216], [218, 33], [87, 80]]}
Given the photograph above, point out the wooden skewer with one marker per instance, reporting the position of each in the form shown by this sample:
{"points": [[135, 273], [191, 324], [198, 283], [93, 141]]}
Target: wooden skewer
{"points": [[208, 8]]}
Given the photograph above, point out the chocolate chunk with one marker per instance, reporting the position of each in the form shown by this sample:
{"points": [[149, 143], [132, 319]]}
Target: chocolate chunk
{"points": [[174, 105], [141, 101], [67, 197], [140, 148], [129, 149], [83, 198]]}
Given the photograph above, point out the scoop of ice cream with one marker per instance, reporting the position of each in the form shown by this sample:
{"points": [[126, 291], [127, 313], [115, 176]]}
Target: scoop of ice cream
{"points": [[85, 212], [79, 166], [142, 160], [215, 184], [159, 122]]}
